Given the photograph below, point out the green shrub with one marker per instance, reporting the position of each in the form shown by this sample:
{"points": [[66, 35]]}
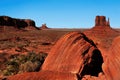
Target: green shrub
{"points": [[29, 67], [24, 63]]}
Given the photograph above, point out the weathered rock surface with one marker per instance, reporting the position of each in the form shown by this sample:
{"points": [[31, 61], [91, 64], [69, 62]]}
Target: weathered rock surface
{"points": [[44, 75], [68, 53], [74, 53], [73, 56], [102, 34], [101, 21], [111, 66], [8, 23]]}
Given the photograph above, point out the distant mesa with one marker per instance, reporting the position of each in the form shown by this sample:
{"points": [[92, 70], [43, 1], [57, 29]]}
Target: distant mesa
{"points": [[101, 26], [8, 23], [101, 31], [44, 26], [101, 21]]}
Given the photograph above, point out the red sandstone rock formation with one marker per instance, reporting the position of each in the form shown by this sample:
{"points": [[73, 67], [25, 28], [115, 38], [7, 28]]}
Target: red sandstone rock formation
{"points": [[44, 75], [8, 23], [101, 21], [111, 66], [44, 26], [102, 28], [73, 56], [102, 32], [68, 50], [76, 57]]}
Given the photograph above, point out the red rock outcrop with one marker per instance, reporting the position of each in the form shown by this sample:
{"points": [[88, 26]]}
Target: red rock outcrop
{"points": [[111, 66], [74, 53], [44, 75], [7, 23], [101, 21], [44, 26], [102, 28], [73, 56], [102, 34]]}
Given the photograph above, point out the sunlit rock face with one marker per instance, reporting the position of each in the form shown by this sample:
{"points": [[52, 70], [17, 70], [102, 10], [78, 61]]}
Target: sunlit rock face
{"points": [[43, 75], [102, 28], [73, 57], [102, 34], [76, 57], [111, 66], [74, 53], [101, 21]]}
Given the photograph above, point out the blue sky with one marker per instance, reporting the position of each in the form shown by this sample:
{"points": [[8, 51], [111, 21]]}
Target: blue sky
{"points": [[62, 13]]}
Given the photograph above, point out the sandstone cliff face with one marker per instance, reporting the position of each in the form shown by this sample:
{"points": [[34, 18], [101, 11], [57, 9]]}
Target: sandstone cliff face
{"points": [[111, 66], [44, 75], [102, 34], [7, 23], [74, 53], [101, 21]]}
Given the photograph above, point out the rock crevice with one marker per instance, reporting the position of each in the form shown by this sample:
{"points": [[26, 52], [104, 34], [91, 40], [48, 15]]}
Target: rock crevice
{"points": [[79, 58]]}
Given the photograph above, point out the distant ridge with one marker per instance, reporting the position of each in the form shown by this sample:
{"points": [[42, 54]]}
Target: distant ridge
{"points": [[9, 24]]}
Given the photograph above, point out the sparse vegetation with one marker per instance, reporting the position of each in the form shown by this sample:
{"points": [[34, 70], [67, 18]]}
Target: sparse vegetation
{"points": [[23, 42], [30, 62]]}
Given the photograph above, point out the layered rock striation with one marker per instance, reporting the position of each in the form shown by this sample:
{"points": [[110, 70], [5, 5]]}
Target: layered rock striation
{"points": [[101, 21], [73, 53], [111, 66]]}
